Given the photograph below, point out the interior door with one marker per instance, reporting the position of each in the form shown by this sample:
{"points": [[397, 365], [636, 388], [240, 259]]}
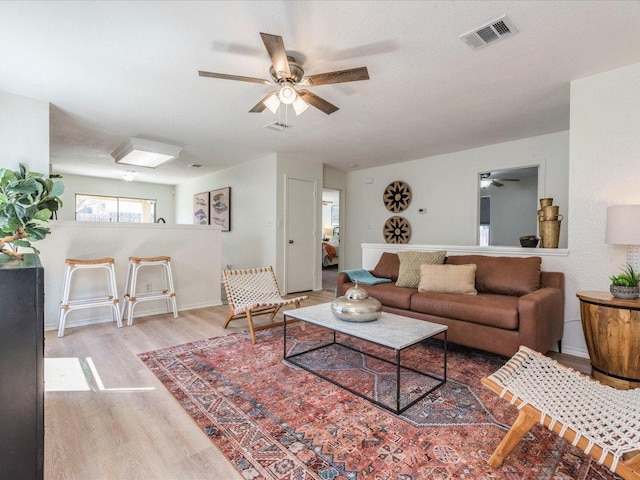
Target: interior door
{"points": [[300, 245]]}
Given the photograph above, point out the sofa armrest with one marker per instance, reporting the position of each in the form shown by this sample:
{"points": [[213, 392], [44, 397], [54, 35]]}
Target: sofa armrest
{"points": [[541, 315], [343, 284]]}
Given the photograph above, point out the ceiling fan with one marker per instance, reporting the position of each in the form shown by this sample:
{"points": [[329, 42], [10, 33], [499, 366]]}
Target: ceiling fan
{"points": [[487, 180], [287, 74]]}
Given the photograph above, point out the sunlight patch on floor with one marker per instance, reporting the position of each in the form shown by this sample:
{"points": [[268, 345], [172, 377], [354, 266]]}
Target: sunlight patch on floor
{"points": [[78, 375], [64, 375]]}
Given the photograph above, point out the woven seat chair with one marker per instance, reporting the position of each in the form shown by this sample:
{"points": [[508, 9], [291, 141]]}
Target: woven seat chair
{"points": [[600, 420], [254, 292]]}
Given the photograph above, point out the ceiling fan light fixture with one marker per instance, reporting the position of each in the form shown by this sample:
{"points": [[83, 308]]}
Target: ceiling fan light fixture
{"points": [[272, 102], [300, 106], [287, 94], [485, 182]]}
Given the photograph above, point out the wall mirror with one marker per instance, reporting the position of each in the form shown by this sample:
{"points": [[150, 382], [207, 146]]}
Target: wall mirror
{"points": [[508, 206]]}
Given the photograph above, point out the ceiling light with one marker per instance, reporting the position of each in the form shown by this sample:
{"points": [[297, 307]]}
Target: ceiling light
{"points": [[287, 94], [272, 102], [300, 106], [485, 182], [129, 175], [144, 153]]}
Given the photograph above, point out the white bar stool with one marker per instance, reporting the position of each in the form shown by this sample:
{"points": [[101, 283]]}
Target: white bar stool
{"points": [[111, 300], [168, 293]]}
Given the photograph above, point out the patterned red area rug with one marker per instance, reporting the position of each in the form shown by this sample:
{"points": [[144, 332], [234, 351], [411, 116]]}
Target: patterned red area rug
{"points": [[276, 421]]}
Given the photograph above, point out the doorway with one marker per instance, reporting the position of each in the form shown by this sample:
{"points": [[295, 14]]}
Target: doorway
{"points": [[330, 238]]}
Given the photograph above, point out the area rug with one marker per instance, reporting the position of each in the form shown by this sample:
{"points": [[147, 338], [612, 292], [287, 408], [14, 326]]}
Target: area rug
{"points": [[276, 421]]}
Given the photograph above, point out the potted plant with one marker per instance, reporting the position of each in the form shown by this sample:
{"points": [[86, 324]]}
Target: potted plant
{"points": [[530, 241], [625, 285], [27, 202]]}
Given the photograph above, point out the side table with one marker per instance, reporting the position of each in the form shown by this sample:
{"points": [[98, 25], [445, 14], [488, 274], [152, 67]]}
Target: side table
{"points": [[611, 329]]}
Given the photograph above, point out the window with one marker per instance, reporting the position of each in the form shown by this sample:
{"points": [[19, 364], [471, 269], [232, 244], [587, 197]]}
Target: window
{"points": [[96, 208]]}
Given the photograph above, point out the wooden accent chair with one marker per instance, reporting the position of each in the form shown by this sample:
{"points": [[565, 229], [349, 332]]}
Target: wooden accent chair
{"points": [[254, 292], [598, 419]]}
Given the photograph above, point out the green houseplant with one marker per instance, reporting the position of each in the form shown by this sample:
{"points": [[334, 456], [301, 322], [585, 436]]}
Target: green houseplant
{"points": [[625, 284], [27, 202]]}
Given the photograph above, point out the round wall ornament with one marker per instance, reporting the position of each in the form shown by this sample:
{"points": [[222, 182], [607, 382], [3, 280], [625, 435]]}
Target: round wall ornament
{"points": [[397, 196], [396, 230]]}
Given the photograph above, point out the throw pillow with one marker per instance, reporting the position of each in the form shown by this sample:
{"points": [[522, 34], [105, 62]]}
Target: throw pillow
{"points": [[387, 266], [515, 276], [448, 279], [409, 272]]}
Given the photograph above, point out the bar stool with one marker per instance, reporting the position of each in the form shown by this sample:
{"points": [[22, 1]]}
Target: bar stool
{"points": [[111, 300], [168, 293]]}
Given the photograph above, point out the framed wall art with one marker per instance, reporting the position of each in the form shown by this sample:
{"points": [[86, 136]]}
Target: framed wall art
{"points": [[201, 208], [220, 211]]}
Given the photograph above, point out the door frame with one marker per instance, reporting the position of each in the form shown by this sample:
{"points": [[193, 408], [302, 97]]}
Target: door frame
{"points": [[285, 238]]}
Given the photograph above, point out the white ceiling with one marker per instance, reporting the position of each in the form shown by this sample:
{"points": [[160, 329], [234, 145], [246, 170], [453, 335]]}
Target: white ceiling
{"points": [[113, 70]]}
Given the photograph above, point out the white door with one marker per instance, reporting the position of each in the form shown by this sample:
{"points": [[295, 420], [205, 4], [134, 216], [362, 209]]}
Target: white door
{"points": [[299, 235]]}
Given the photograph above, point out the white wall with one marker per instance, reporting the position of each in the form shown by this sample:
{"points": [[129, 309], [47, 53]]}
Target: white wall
{"points": [[251, 241], [24, 133], [74, 184], [604, 171], [511, 212], [447, 186], [195, 264]]}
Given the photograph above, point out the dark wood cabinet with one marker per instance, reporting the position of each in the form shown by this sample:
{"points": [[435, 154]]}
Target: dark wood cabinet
{"points": [[21, 367]]}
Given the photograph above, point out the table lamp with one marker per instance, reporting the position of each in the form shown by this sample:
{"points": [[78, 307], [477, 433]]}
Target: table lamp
{"points": [[623, 228]]}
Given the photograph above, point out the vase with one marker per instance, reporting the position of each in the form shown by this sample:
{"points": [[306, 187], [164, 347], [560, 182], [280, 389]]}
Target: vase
{"points": [[626, 293]]}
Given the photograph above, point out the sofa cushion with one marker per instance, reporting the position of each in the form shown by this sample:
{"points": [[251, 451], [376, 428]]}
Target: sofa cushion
{"points": [[387, 266], [503, 275], [409, 272], [388, 294], [499, 311], [458, 279]]}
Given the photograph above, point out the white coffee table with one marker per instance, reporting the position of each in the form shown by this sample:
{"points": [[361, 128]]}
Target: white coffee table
{"points": [[393, 331]]}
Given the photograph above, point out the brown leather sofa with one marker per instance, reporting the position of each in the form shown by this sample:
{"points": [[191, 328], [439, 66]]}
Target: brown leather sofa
{"points": [[517, 303]]}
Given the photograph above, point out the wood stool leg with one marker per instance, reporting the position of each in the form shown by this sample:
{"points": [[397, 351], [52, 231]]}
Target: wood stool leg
{"points": [[172, 289], [520, 427]]}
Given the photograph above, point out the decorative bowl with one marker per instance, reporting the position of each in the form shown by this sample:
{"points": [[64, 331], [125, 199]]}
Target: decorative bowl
{"points": [[356, 306], [529, 242], [625, 293]]}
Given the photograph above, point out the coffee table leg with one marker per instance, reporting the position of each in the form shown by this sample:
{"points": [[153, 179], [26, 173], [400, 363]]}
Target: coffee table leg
{"points": [[397, 381]]}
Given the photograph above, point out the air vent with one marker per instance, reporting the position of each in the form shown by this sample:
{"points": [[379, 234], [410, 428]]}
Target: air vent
{"points": [[495, 30], [278, 127]]}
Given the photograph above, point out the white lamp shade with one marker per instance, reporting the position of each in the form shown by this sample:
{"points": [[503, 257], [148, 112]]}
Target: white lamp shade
{"points": [[623, 225], [287, 94], [299, 106], [272, 102]]}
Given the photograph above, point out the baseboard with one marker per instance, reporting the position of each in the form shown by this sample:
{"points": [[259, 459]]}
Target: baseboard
{"points": [[146, 313], [576, 352]]}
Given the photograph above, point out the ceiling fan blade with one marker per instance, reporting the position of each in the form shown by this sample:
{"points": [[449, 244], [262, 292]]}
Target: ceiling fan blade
{"points": [[275, 49], [341, 76], [497, 184], [224, 76], [317, 102], [508, 179]]}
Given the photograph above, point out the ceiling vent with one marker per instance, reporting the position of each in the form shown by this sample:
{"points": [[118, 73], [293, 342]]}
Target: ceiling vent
{"points": [[278, 127], [491, 32]]}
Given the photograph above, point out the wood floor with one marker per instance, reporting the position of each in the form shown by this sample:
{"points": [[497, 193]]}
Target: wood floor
{"points": [[126, 425]]}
